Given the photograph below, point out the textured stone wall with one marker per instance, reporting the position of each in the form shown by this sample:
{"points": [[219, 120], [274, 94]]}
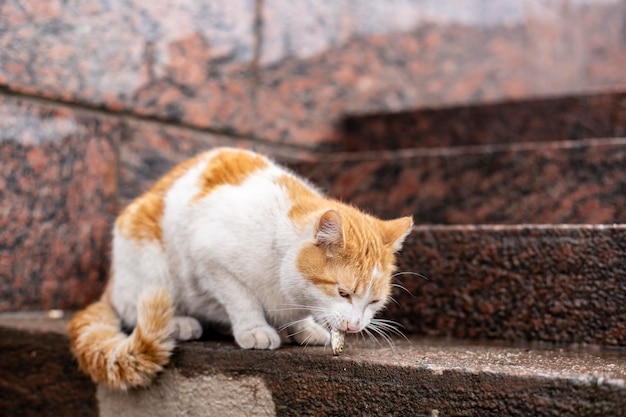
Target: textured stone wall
{"points": [[99, 98], [289, 71], [58, 192], [579, 182]]}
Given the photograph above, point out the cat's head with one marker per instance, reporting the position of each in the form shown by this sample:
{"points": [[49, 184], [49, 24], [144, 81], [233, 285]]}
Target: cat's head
{"points": [[349, 265]]}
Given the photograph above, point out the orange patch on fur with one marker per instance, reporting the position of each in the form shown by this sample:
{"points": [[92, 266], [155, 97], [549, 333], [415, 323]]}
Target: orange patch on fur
{"points": [[363, 248], [315, 267], [142, 218], [229, 167], [304, 202], [365, 251]]}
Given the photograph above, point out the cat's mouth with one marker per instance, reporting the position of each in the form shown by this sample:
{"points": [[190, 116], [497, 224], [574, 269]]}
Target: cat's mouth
{"points": [[343, 326]]}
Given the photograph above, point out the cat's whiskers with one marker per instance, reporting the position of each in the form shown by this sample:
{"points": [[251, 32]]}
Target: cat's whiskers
{"points": [[389, 326], [390, 298], [305, 306], [410, 273], [384, 335], [402, 287], [292, 323], [289, 307], [305, 342], [323, 318], [384, 328], [362, 335], [366, 331], [298, 310]]}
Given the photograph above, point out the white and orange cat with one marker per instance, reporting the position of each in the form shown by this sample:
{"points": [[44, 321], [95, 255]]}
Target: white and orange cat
{"points": [[231, 238]]}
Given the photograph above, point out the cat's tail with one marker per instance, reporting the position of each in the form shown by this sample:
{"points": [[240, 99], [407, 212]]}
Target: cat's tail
{"points": [[118, 360]]}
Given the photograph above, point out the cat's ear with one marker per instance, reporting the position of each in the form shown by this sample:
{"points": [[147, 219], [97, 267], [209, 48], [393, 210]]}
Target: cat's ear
{"points": [[329, 230], [395, 231]]}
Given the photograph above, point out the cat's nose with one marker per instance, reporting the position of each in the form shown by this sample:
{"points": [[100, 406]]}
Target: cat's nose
{"points": [[353, 329]]}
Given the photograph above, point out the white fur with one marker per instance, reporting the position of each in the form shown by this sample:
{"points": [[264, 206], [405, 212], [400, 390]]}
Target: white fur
{"points": [[230, 258]]}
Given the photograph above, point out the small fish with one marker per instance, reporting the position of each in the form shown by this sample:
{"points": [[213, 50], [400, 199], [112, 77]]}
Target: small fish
{"points": [[336, 341]]}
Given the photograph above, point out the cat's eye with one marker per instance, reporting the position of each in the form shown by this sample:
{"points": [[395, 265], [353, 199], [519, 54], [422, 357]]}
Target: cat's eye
{"points": [[374, 302], [343, 293]]}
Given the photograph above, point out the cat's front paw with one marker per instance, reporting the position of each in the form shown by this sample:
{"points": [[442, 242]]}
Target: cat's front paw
{"points": [[309, 332], [185, 328], [262, 337]]}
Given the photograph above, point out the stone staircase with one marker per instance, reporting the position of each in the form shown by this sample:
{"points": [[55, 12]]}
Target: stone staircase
{"points": [[520, 240], [520, 309], [419, 376], [500, 128]]}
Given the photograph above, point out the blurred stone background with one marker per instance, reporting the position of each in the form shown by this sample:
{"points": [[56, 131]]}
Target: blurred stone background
{"points": [[387, 104]]}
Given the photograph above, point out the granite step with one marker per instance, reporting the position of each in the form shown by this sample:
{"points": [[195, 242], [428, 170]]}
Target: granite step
{"points": [[38, 375], [575, 182], [536, 120], [414, 377], [563, 284], [418, 377]]}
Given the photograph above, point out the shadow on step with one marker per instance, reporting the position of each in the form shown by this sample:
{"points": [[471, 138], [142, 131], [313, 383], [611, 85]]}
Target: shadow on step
{"points": [[541, 120]]}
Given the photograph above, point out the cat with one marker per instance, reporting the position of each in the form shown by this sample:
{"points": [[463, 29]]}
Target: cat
{"points": [[232, 238]]}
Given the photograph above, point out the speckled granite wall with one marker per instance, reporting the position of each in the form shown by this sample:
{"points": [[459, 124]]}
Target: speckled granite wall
{"points": [[562, 284], [99, 98], [57, 200], [557, 182], [289, 71], [151, 149], [54, 244], [64, 176]]}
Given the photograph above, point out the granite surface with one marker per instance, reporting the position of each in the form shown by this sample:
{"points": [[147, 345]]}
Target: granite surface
{"points": [[561, 284], [149, 150], [420, 378], [40, 378], [555, 182], [555, 119], [98, 99], [57, 199], [178, 60], [290, 71], [449, 377]]}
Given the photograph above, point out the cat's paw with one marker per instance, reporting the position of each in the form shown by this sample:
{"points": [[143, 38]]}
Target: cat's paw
{"points": [[262, 337], [311, 333], [185, 328]]}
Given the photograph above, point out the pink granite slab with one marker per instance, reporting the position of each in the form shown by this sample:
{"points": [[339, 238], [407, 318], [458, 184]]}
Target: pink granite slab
{"points": [[554, 182], [57, 198], [289, 72]]}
